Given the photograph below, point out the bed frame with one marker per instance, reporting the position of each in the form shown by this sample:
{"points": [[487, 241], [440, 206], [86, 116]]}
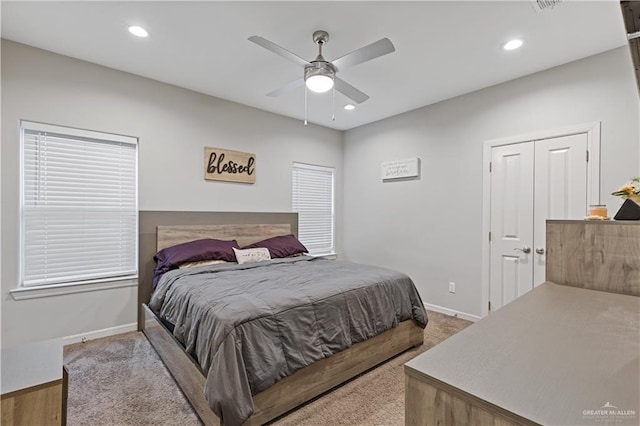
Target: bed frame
{"points": [[290, 392]]}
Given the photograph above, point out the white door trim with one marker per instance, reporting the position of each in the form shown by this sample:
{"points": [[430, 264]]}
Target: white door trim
{"points": [[593, 183]]}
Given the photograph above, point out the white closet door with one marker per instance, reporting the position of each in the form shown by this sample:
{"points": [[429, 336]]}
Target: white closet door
{"points": [[511, 222], [560, 189]]}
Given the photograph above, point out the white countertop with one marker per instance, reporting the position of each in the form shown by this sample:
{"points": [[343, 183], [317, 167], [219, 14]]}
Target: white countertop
{"points": [[32, 364], [557, 355]]}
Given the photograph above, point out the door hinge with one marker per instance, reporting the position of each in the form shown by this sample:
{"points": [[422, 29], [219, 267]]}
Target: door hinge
{"points": [[489, 235], [587, 156], [489, 305], [490, 166]]}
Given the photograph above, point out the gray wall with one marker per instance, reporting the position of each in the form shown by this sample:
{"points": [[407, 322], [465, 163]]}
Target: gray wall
{"points": [[173, 126], [431, 228]]}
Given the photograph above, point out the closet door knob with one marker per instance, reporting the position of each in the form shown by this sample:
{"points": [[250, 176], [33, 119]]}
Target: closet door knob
{"points": [[525, 249], [540, 250]]}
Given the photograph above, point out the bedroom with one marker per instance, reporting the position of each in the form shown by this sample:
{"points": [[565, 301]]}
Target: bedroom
{"points": [[173, 124]]}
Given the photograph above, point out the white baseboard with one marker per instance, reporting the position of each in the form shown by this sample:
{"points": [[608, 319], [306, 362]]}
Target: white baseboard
{"points": [[451, 312], [105, 332]]}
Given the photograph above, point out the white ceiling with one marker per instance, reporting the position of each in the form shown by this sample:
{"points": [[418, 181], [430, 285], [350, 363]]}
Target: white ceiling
{"points": [[443, 49]]}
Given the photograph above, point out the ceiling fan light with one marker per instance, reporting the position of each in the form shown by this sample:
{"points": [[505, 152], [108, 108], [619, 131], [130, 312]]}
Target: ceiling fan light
{"points": [[319, 83], [318, 76]]}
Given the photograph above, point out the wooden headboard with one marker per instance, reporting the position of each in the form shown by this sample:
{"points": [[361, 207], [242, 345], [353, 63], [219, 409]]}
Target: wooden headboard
{"points": [[160, 229], [244, 234]]}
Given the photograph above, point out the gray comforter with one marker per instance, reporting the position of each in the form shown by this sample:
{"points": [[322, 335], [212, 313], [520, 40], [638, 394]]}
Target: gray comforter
{"points": [[251, 325]]}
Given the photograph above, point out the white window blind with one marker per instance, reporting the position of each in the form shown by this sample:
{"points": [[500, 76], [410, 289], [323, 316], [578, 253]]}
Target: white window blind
{"points": [[79, 205], [313, 200]]}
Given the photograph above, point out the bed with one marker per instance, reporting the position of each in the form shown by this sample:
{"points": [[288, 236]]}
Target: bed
{"points": [[240, 385]]}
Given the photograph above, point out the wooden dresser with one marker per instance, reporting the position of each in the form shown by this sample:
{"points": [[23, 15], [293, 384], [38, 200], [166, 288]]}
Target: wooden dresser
{"points": [[42, 405], [34, 384], [598, 255], [563, 353]]}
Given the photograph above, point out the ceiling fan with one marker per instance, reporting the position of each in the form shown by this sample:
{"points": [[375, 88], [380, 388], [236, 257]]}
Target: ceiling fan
{"points": [[320, 74]]}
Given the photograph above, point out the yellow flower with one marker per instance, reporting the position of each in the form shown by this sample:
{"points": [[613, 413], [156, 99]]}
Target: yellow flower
{"points": [[627, 188]]}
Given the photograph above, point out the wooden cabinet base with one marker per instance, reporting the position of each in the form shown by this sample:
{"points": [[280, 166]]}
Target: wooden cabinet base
{"points": [[38, 405], [427, 405]]}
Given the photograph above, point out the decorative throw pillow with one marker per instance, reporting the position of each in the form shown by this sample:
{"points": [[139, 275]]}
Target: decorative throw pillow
{"points": [[282, 246], [252, 255], [193, 251]]}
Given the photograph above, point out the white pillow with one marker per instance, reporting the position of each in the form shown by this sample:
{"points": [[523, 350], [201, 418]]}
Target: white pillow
{"points": [[201, 263], [252, 255]]}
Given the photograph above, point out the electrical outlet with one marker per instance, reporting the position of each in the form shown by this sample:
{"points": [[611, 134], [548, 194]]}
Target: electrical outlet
{"points": [[452, 287]]}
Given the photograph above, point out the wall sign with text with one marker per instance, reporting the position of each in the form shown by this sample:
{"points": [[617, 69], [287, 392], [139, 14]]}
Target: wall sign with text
{"points": [[229, 166], [401, 169]]}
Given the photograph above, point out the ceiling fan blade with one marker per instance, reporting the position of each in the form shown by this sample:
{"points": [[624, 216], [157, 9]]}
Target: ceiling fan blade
{"points": [[349, 91], [364, 54], [287, 87], [280, 51]]}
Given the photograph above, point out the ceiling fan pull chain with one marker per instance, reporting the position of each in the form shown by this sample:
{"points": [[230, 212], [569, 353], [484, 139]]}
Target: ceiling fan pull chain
{"points": [[333, 104], [305, 105]]}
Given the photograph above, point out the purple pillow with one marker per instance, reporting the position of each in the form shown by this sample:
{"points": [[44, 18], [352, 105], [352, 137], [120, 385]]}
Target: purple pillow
{"points": [[282, 246], [193, 251]]}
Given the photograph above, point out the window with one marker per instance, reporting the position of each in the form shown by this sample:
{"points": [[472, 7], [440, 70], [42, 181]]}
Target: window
{"points": [[313, 200], [79, 213]]}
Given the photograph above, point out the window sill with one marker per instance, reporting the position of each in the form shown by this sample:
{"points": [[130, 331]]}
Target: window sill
{"points": [[35, 292]]}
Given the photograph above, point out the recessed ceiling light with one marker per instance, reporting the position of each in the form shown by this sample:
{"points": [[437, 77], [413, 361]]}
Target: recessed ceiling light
{"points": [[138, 31], [349, 107], [512, 44]]}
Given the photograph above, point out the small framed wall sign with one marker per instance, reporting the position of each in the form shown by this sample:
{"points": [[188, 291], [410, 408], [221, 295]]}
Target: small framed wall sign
{"points": [[229, 166], [401, 169]]}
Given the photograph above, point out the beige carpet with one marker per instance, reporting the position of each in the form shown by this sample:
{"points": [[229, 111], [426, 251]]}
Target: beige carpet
{"points": [[120, 380]]}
